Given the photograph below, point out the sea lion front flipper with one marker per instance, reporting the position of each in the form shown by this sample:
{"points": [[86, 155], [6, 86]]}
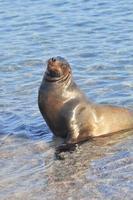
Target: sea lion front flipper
{"points": [[66, 147], [61, 150]]}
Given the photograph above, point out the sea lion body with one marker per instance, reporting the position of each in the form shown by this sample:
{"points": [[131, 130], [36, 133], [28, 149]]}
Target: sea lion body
{"points": [[70, 114]]}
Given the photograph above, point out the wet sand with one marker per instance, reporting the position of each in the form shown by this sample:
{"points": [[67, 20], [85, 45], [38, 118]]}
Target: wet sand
{"points": [[100, 169]]}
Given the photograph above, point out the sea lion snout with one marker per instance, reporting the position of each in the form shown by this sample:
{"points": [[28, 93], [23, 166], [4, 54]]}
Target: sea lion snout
{"points": [[57, 66], [59, 60], [53, 71], [51, 60], [53, 68]]}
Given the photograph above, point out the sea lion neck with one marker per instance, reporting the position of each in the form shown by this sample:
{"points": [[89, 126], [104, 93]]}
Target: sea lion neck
{"points": [[61, 81]]}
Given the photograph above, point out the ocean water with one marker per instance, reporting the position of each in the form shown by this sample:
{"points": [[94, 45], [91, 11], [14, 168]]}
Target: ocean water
{"points": [[96, 37]]}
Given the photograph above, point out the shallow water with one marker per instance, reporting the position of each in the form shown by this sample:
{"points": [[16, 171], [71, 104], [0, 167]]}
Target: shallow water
{"points": [[97, 39]]}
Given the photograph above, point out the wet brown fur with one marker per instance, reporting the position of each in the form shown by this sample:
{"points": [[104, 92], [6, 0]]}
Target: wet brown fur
{"points": [[68, 112]]}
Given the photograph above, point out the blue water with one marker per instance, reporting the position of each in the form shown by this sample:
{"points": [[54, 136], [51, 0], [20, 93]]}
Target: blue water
{"points": [[96, 37]]}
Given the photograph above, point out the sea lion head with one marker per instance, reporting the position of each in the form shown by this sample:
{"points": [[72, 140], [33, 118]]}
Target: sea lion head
{"points": [[57, 69]]}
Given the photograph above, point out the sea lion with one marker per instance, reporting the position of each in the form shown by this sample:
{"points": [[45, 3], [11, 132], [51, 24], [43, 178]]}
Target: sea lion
{"points": [[69, 113]]}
